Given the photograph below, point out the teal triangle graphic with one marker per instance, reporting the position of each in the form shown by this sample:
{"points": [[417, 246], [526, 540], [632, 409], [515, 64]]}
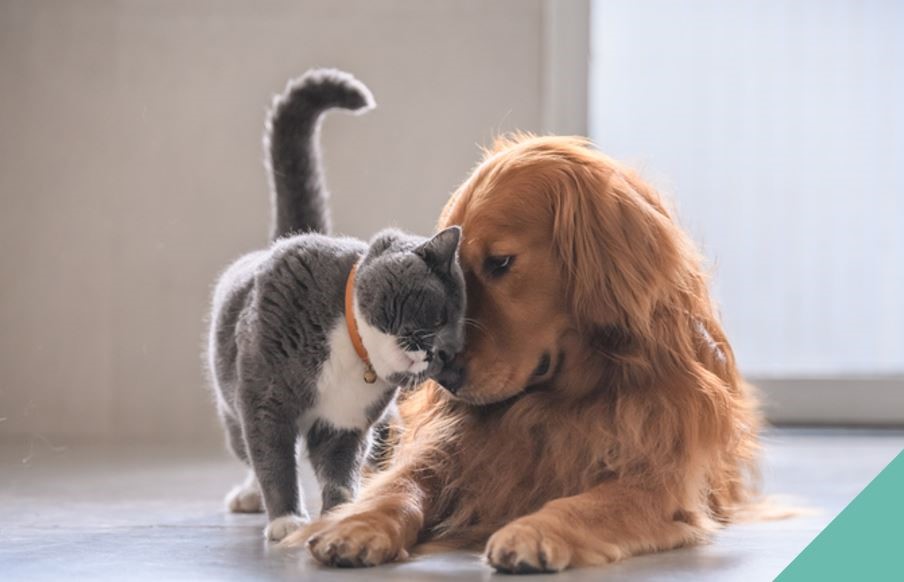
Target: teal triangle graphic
{"points": [[865, 541]]}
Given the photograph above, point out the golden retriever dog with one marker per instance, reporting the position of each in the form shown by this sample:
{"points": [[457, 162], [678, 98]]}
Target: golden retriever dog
{"points": [[597, 412]]}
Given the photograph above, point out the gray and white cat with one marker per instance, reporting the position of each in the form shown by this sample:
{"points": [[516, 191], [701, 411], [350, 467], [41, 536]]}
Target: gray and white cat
{"points": [[281, 354]]}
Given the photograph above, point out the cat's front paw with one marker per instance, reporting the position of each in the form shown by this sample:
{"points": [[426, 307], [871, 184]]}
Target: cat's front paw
{"points": [[282, 526], [361, 540]]}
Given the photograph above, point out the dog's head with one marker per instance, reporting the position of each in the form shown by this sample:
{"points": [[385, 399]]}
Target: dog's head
{"points": [[560, 246]]}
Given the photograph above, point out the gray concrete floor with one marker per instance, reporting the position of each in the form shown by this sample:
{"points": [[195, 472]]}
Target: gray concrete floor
{"points": [[156, 513]]}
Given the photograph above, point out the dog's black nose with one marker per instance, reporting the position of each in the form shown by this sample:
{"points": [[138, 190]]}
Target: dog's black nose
{"points": [[452, 376]]}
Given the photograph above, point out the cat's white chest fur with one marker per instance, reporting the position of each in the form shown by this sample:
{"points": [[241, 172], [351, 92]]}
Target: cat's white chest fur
{"points": [[343, 397]]}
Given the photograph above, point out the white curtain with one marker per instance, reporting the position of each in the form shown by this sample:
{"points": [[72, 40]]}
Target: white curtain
{"points": [[777, 127]]}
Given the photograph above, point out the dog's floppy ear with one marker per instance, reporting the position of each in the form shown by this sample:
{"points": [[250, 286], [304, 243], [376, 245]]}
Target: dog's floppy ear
{"points": [[618, 243]]}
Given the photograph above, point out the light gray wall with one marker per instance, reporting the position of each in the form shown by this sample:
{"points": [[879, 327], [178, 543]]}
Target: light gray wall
{"points": [[130, 174]]}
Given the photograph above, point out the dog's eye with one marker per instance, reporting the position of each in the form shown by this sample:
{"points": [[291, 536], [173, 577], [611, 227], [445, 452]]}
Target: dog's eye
{"points": [[497, 266]]}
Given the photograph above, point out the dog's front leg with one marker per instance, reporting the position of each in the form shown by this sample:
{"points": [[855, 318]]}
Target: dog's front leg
{"points": [[604, 524], [381, 526]]}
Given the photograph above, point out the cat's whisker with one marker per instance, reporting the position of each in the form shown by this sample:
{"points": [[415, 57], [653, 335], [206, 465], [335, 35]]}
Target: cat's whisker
{"points": [[425, 334], [477, 325]]}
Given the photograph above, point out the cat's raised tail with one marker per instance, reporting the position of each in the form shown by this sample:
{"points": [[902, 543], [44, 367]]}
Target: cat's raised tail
{"points": [[292, 144]]}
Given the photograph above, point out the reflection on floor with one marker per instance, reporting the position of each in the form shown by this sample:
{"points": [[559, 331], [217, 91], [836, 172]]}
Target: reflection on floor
{"points": [[156, 514]]}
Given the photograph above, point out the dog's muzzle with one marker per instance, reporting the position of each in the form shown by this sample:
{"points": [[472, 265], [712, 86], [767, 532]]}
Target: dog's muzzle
{"points": [[453, 374]]}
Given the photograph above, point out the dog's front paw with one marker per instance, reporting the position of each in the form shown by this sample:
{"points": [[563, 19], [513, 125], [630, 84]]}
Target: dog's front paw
{"points": [[282, 526], [361, 540], [522, 548]]}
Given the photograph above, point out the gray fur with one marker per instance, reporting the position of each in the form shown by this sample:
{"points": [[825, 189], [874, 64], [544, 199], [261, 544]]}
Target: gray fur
{"points": [[278, 323], [337, 456], [291, 141]]}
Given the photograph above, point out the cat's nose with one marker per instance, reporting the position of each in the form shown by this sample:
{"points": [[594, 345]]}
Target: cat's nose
{"points": [[453, 374]]}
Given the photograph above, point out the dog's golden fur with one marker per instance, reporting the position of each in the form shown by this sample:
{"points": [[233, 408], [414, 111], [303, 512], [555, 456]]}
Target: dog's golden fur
{"points": [[640, 436]]}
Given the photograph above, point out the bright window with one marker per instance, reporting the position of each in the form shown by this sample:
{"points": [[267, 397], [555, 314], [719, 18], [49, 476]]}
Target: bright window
{"points": [[778, 130]]}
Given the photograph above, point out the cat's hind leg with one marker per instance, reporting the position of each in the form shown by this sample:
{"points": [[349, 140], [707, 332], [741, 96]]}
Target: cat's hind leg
{"points": [[337, 456], [246, 496]]}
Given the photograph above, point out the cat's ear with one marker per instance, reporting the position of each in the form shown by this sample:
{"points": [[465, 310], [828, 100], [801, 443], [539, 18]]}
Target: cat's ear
{"points": [[439, 252], [385, 241]]}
